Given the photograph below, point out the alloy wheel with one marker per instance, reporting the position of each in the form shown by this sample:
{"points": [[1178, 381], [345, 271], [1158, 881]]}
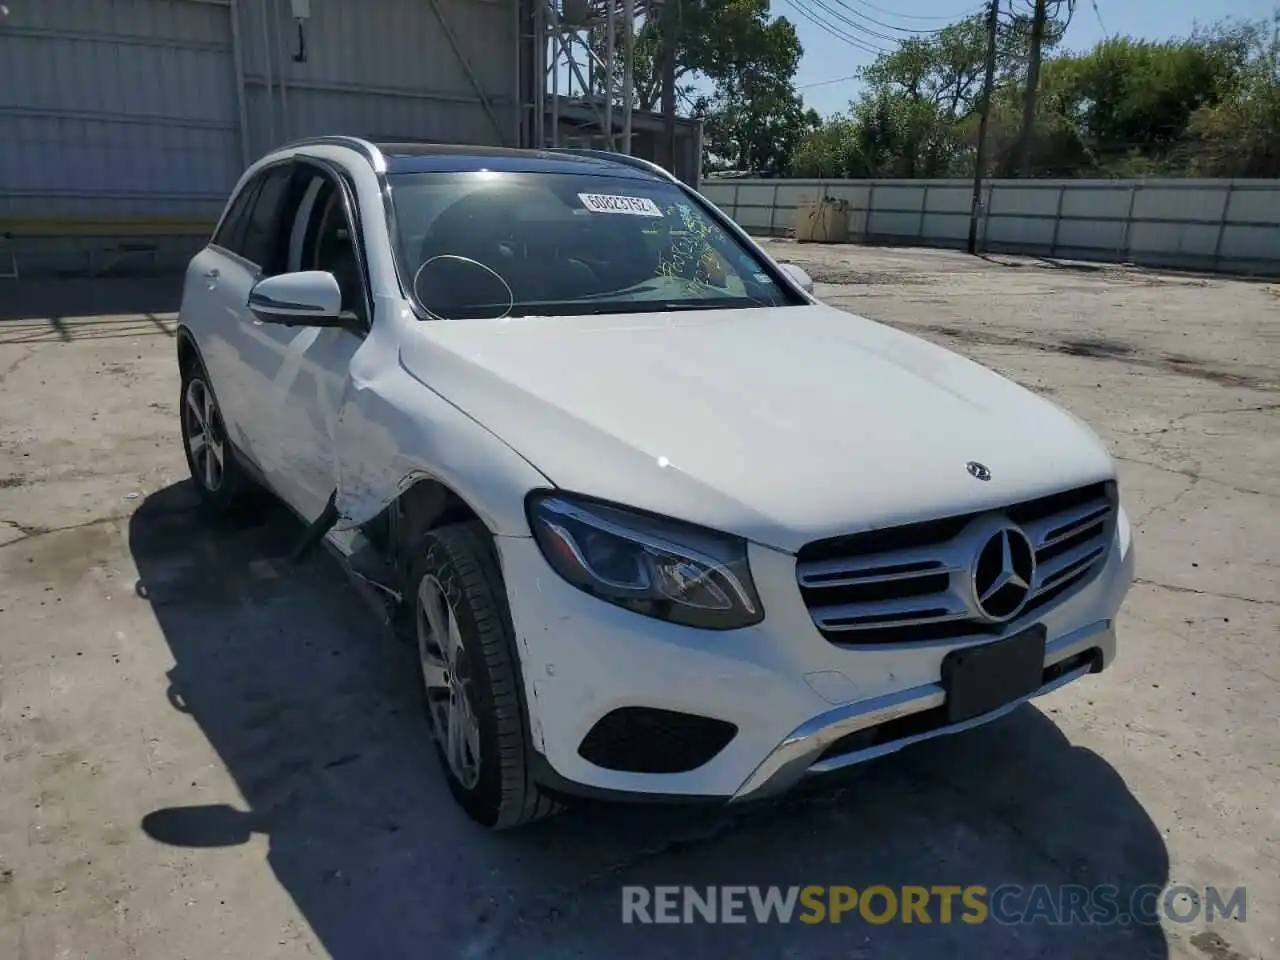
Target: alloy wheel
{"points": [[205, 435], [446, 672]]}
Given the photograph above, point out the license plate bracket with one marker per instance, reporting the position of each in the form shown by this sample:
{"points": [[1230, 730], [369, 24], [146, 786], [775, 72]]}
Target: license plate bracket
{"points": [[986, 677]]}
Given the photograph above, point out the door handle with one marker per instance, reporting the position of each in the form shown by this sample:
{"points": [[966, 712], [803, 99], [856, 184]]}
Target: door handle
{"points": [[213, 274]]}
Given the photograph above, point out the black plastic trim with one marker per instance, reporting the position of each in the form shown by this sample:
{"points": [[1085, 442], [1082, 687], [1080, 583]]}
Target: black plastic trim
{"points": [[558, 786]]}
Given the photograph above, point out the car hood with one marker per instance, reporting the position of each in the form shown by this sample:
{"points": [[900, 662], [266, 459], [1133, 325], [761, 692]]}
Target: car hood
{"points": [[782, 425]]}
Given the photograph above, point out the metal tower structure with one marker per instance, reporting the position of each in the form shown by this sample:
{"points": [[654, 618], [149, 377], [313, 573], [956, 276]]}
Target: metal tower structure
{"points": [[588, 48]]}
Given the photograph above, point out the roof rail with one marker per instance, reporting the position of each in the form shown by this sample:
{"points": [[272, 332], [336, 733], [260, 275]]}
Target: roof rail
{"points": [[362, 147], [624, 158]]}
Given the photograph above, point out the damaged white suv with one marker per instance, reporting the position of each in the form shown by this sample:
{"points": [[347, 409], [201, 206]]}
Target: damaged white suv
{"points": [[659, 522]]}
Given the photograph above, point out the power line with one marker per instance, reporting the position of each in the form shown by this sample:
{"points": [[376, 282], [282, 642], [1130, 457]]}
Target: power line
{"points": [[890, 26], [855, 32], [916, 16], [1097, 14], [838, 33], [801, 8], [1013, 16], [824, 83], [852, 24]]}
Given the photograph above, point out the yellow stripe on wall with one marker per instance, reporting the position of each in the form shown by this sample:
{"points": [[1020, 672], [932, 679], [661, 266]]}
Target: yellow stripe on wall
{"points": [[106, 227]]}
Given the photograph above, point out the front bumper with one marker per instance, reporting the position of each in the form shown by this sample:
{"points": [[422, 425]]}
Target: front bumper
{"points": [[790, 693], [801, 754]]}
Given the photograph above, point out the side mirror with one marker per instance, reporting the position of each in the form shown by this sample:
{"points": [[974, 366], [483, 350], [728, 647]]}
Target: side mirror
{"points": [[798, 274], [310, 298]]}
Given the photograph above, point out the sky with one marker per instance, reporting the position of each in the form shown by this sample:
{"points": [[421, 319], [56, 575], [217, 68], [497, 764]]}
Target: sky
{"points": [[827, 58]]}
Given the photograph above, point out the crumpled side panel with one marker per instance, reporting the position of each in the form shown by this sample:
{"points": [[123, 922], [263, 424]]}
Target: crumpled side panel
{"points": [[393, 431]]}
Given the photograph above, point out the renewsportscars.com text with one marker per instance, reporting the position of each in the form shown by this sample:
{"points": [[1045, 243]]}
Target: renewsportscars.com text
{"points": [[972, 904]]}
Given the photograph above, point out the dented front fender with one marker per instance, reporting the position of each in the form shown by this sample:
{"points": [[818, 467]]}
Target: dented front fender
{"points": [[393, 430]]}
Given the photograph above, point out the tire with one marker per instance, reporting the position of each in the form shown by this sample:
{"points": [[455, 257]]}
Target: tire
{"points": [[471, 681], [220, 481]]}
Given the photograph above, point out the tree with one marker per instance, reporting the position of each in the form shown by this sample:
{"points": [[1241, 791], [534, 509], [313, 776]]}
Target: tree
{"points": [[913, 118], [907, 117], [945, 70], [1239, 136], [829, 149], [753, 127], [754, 117], [715, 37], [1131, 101], [1203, 105]]}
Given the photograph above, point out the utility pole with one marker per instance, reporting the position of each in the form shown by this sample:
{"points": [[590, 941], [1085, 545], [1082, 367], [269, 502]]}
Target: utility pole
{"points": [[628, 69], [1033, 83], [670, 30], [1275, 45], [993, 13]]}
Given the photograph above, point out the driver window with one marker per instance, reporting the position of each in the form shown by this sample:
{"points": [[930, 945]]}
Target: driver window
{"points": [[302, 221], [329, 244]]}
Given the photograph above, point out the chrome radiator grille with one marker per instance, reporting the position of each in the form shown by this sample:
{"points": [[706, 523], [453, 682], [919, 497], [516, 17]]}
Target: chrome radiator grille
{"points": [[922, 581]]}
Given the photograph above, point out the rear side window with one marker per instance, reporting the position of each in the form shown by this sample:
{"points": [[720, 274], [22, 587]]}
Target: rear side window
{"points": [[230, 232], [262, 229]]}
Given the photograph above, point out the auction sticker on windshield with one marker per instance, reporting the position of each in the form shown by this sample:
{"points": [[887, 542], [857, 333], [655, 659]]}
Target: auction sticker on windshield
{"points": [[609, 203]]}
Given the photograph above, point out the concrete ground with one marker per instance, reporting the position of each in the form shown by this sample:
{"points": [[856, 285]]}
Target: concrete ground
{"points": [[208, 753]]}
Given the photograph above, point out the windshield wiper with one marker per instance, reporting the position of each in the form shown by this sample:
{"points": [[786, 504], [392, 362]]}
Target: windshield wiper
{"points": [[593, 308], [579, 308]]}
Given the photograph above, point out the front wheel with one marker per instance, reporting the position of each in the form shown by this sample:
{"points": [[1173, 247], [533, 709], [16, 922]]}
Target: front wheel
{"points": [[470, 679]]}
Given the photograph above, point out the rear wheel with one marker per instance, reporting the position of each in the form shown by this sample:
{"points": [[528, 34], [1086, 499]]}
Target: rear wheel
{"points": [[219, 479], [470, 680]]}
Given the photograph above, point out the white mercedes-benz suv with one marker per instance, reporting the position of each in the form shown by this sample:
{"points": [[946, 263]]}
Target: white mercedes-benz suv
{"points": [[659, 523]]}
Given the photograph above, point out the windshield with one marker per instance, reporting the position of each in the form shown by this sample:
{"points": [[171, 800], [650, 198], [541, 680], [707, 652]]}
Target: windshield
{"points": [[486, 244]]}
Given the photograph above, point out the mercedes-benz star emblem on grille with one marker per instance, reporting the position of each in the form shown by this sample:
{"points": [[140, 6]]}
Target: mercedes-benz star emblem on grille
{"points": [[1002, 574], [978, 470]]}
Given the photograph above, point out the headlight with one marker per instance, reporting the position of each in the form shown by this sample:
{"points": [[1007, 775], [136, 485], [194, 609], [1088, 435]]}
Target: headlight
{"points": [[660, 568]]}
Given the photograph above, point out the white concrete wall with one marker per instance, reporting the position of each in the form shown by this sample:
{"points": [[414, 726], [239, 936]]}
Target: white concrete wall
{"points": [[1228, 225]]}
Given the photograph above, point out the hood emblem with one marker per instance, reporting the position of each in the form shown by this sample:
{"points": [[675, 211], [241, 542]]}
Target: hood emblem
{"points": [[978, 470], [1003, 573]]}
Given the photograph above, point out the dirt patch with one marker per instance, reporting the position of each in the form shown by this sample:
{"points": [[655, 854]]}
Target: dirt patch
{"points": [[832, 273], [11, 481], [1214, 947], [823, 271], [1104, 350], [58, 559], [1096, 348]]}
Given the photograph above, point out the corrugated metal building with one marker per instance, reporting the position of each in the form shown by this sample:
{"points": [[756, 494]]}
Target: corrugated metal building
{"points": [[133, 118], [125, 123], [581, 126]]}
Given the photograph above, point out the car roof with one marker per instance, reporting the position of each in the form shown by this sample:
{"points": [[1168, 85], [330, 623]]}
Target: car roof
{"points": [[458, 158]]}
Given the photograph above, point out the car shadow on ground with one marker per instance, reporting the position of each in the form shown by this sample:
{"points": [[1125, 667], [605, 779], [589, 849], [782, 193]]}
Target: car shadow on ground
{"points": [[314, 710], [47, 310]]}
